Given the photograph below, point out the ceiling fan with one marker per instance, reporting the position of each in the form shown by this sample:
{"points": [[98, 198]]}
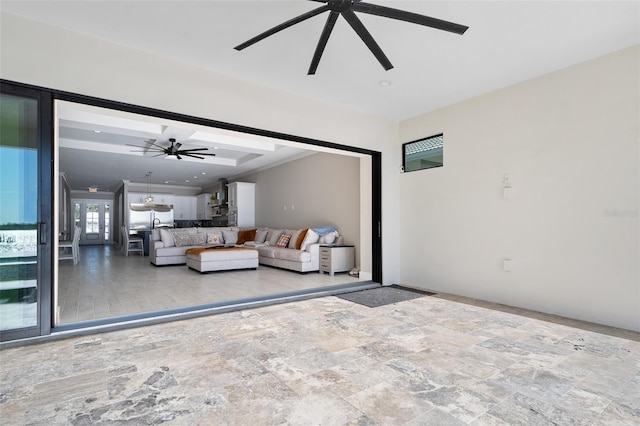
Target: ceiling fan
{"points": [[173, 150], [347, 9]]}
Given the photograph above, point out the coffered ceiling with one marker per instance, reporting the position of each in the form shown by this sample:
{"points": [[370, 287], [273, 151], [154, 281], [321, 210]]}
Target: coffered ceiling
{"points": [[101, 147]]}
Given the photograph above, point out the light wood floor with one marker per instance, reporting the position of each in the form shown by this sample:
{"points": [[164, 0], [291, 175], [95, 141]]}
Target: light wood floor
{"points": [[105, 284]]}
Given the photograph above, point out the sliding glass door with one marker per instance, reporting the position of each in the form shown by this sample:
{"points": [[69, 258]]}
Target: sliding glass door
{"points": [[25, 226]]}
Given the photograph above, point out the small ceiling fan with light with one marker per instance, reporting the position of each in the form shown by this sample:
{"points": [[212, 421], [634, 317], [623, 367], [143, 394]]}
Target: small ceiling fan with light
{"points": [[173, 150], [347, 9]]}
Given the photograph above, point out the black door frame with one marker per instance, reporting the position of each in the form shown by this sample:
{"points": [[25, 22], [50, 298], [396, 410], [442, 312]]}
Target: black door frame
{"points": [[46, 213], [45, 210]]}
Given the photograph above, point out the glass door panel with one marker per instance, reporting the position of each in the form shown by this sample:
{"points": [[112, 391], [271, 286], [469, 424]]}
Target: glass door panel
{"points": [[23, 234], [92, 224], [94, 219]]}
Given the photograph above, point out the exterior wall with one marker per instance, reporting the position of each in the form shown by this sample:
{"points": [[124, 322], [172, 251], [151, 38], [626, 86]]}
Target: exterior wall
{"points": [[317, 190], [43, 55], [569, 143]]}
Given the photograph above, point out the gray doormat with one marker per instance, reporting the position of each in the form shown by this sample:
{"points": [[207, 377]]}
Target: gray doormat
{"points": [[383, 295]]}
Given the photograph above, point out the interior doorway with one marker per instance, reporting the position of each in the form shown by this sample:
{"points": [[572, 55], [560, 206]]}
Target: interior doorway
{"points": [[94, 218], [99, 146]]}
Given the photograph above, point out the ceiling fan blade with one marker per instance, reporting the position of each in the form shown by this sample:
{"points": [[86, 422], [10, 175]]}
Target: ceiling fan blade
{"points": [[158, 155], [365, 35], [178, 145], [144, 147], [324, 37], [282, 26], [199, 153], [402, 15], [178, 157], [194, 149], [193, 156]]}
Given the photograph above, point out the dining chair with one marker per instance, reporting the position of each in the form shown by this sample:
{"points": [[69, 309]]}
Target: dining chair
{"points": [[70, 250], [131, 243]]}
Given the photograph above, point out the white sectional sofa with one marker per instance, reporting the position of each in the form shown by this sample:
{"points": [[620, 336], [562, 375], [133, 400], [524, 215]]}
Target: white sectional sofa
{"points": [[163, 249], [293, 249], [301, 254]]}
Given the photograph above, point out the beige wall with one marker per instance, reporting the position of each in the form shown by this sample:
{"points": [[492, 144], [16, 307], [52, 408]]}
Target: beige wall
{"points": [[569, 142], [317, 190]]}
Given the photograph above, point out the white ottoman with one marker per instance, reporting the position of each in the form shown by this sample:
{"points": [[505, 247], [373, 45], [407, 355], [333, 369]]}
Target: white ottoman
{"points": [[222, 259]]}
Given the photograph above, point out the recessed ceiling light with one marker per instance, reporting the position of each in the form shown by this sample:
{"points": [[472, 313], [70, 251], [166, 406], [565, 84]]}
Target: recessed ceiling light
{"points": [[203, 173], [187, 181], [215, 147], [195, 177], [385, 83], [97, 131]]}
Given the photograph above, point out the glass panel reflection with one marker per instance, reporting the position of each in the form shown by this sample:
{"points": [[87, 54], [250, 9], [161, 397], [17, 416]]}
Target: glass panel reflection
{"points": [[19, 212]]}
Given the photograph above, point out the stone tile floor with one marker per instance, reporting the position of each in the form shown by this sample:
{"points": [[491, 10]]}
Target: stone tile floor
{"points": [[327, 361]]}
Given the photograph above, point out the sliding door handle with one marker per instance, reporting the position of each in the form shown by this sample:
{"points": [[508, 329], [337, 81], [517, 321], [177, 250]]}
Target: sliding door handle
{"points": [[42, 230]]}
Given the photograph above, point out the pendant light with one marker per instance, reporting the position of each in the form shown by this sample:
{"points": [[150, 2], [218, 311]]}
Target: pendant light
{"points": [[149, 198]]}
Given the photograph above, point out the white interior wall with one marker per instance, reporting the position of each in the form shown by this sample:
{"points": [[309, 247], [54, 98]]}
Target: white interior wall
{"points": [[317, 190], [569, 142], [43, 55]]}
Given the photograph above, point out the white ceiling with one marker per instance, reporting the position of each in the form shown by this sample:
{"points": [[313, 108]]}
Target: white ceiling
{"points": [[95, 150], [507, 42]]}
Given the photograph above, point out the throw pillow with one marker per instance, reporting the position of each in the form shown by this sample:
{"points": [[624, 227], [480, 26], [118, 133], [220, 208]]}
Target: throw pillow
{"points": [[230, 237], [300, 239], [310, 238], [283, 241], [246, 235], [295, 233], [328, 239], [167, 238], [214, 238], [261, 235], [182, 239], [273, 236], [197, 239]]}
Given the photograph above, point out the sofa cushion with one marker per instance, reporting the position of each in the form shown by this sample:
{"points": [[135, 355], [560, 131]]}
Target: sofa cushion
{"points": [[310, 238], [273, 235], [295, 233], [267, 251], [230, 237], [246, 235], [283, 241], [182, 239], [167, 238], [329, 238], [261, 235], [300, 239], [215, 238], [170, 251], [293, 255]]}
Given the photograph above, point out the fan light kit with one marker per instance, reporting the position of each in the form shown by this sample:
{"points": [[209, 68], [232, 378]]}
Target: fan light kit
{"points": [[347, 9], [173, 150]]}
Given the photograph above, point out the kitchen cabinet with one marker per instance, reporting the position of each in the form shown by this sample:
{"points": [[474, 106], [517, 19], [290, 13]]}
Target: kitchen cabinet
{"points": [[138, 197], [185, 207], [202, 205], [242, 204]]}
